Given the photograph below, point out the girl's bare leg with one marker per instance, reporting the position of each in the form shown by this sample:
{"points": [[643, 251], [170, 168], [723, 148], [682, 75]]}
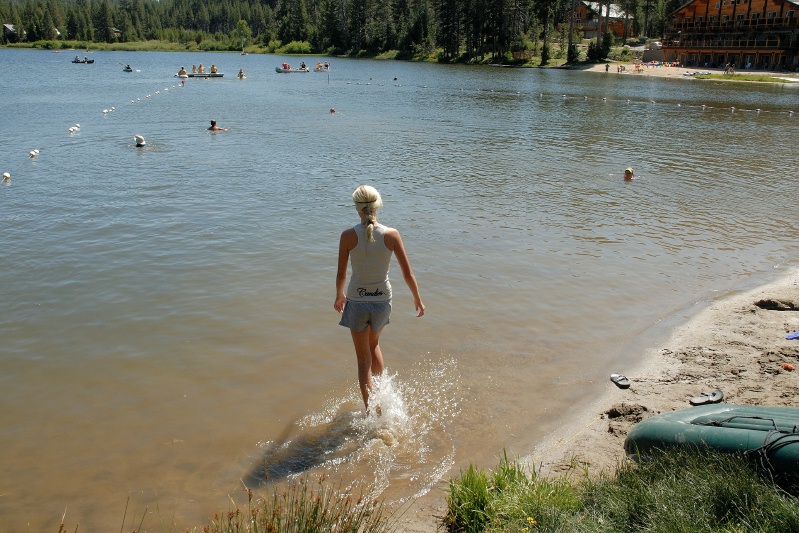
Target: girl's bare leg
{"points": [[370, 359]]}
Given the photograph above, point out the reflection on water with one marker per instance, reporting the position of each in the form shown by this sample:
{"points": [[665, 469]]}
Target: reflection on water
{"points": [[165, 310]]}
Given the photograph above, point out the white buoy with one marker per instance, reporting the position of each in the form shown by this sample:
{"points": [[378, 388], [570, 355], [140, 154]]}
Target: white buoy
{"points": [[77, 126], [139, 140], [6, 176], [71, 130], [732, 109], [113, 109], [32, 154], [105, 111], [36, 151]]}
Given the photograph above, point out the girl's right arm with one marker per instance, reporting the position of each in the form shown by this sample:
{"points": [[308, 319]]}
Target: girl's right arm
{"points": [[348, 241]]}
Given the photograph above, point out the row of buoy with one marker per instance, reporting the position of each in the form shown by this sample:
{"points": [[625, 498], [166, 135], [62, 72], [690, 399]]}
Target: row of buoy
{"points": [[703, 107], [138, 138]]}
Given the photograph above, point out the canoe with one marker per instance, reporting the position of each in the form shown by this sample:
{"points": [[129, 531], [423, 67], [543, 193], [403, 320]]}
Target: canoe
{"points": [[770, 433], [290, 70], [204, 75]]}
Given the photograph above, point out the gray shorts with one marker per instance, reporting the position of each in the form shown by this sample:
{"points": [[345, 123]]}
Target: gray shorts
{"points": [[358, 315]]}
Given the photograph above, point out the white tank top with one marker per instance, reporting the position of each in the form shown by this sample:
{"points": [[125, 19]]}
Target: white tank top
{"points": [[370, 262]]}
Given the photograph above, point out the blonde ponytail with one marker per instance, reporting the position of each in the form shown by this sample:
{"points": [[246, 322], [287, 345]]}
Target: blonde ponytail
{"points": [[368, 200]]}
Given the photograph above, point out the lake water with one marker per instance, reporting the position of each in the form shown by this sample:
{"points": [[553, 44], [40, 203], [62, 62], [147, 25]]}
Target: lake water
{"points": [[166, 324]]}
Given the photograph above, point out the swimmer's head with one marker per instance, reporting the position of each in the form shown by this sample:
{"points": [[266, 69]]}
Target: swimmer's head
{"points": [[628, 173]]}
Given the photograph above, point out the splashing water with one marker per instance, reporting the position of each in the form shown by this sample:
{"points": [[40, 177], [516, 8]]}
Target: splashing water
{"points": [[400, 447]]}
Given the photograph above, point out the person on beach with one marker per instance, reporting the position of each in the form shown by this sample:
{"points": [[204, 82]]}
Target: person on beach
{"points": [[214, 127], [628, 174], [366, 306]]}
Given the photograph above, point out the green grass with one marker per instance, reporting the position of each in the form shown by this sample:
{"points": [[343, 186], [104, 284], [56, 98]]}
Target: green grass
{"points": [[763, 78], [678, 491]]}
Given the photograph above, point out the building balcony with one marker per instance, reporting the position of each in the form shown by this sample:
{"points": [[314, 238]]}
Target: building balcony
{"points": [[762, 24], [772, 43]]}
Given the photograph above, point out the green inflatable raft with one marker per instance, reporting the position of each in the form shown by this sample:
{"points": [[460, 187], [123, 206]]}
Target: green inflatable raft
{"points": [[768, 434]]}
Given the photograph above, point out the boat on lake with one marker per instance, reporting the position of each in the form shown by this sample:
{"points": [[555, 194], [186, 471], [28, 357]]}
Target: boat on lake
{"points": [[285, 68], [83, 61], [127, 69], [768, 433], [322, 67], [203, 75]]}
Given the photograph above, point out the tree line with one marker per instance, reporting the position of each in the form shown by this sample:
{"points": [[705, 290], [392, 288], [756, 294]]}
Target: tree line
{"points": [[458, 30]]}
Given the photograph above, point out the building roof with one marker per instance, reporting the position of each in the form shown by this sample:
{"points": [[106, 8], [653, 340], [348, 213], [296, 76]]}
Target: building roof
{"points": [[615, 11]]}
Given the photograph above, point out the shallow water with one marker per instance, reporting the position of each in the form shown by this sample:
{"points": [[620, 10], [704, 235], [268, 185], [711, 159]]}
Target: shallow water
{"points": [[167, 325]]}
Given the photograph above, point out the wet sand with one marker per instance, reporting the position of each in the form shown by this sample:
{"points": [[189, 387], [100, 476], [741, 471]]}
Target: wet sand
{"points": [[736, 344]]}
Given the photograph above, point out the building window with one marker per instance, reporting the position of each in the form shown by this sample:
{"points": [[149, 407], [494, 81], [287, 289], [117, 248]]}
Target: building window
{"points": [[755, 16], [772, 15], [790, 14], [725, 18], [699, 19], [712, 18], [718, 5], [739, 17], [724, 2]]}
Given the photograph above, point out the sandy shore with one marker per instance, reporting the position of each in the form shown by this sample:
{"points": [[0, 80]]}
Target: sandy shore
{"points": [[681, 72], [737, 344]]}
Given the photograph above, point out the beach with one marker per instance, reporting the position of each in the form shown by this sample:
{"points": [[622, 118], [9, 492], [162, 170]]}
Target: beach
{"points": [[737, 344], [662, 71]]}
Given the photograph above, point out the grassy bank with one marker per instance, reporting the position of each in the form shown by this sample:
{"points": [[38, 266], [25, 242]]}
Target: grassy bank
{"points": [[763, 78], [678, 491]]}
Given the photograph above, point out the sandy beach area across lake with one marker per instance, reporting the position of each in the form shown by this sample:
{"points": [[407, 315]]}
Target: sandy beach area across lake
{"points": [[737, 344], [683, 72]]}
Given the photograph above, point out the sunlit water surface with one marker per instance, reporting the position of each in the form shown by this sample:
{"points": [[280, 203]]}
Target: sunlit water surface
{"points": [[167, 333]]}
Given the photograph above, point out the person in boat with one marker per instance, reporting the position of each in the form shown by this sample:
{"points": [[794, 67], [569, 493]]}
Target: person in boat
{"points": [[628, 174], [286, 66], [200, 69], [127, 67], [366, 305], [182, 71], [241, 73], [77, 58], [194, 69], [302, 65], [214, 127], [213, 69]]}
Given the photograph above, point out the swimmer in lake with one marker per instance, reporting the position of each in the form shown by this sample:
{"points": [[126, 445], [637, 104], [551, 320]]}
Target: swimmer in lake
{"points": [[214, 127], [628, 174]]}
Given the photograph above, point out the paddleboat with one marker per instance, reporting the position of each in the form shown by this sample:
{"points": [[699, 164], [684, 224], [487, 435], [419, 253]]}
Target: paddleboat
{"points": [[770, 434]]}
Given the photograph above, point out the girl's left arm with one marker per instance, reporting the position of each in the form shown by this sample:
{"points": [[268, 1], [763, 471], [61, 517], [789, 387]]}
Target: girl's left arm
{"points": [[394, 243]]}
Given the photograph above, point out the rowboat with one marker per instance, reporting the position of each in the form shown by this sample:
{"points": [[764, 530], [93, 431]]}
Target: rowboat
{"points": [[282, 70], [83, 61], [768, 433]]}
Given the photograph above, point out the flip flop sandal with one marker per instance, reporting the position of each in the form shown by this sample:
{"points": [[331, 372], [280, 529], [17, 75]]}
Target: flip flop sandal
{"points": [[620, 380], [707, 397]]}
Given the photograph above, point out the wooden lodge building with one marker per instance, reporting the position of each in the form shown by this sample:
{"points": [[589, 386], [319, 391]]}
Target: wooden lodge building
{"points": [[761, 34], [587, 17]]}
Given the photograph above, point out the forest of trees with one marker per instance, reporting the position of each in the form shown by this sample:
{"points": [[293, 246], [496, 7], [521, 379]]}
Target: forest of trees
{"points": [[460, 30]]}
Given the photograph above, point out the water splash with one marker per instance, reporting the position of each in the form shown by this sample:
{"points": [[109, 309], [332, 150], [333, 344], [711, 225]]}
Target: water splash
{"points": [[400, 448]]}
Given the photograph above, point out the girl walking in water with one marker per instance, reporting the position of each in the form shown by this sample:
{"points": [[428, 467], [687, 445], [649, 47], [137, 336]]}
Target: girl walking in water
{"points": [[366, 306]]}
